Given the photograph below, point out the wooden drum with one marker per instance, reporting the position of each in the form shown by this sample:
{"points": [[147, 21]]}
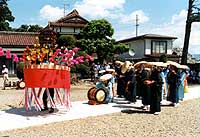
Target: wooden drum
{"points": [[98, 95]]}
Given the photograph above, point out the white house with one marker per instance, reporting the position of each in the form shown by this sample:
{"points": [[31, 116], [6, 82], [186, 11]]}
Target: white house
{"points": [[149, 47]]}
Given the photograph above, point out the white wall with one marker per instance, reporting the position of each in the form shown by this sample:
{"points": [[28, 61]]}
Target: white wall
{"points": [[138, 46], [67, 30]]}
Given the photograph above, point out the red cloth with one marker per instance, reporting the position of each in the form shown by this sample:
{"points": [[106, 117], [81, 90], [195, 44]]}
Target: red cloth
{"points": [[46, 78]]}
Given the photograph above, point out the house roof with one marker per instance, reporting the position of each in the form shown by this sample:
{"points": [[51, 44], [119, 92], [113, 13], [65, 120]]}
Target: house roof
{"points": [[18, 38], [147, 36], [73, 19]]}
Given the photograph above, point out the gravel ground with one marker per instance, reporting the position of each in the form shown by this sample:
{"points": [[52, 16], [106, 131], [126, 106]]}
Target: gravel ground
{"points": [[183, 120]]}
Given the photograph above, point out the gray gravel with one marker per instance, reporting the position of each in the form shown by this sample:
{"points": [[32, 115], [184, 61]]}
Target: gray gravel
{"points": [[182, 121]]}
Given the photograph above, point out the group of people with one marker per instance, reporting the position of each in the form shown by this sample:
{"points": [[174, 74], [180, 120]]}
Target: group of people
{"points": [[96, 68], [151, 84]]}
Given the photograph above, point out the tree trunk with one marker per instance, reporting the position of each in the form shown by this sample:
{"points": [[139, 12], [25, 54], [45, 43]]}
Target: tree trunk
{"points": [[186, 43], [187, 33]]}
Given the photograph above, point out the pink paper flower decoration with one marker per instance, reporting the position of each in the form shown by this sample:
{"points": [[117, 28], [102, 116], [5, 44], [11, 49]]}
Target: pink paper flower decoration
{"points": [[15, 59], [1, 53], [75, 49], [22, 59], [66, 50], [8, 55]]}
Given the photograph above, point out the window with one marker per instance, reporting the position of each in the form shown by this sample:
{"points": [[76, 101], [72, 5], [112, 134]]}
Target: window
{"points": [[158, 47]]}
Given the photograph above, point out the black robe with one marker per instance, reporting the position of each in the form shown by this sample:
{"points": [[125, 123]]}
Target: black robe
{"points": [[156, 91], [145, 89], [130, 92]]}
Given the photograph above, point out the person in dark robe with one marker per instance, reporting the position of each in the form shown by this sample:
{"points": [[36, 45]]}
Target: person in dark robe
{"points": [[173, 81], [155, 83], [138, 84], [120, 78], [130, 92], [145, 89], [119, 82]]}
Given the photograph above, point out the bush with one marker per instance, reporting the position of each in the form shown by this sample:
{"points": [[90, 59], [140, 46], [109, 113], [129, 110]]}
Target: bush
{"points": [[163, 58], [83, 70]]}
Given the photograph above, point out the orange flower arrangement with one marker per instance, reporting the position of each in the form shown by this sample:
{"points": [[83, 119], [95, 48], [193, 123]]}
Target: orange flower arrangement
{"points": [[45, 54], [37, 54]]}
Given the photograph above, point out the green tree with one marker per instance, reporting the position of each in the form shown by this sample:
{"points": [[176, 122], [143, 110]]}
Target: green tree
{"points": [[28, 28], [68, 41], [120, 48], [22, 28], [193, 15], [5, 16], [34, 28], [163, 58], [97, 38]]}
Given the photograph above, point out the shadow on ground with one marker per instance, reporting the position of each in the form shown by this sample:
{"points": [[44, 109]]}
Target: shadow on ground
{"points": [[30, 113], [131, 111]]}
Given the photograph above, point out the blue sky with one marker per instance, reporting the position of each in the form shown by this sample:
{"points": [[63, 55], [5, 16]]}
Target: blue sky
{"points": [[165, 17]]}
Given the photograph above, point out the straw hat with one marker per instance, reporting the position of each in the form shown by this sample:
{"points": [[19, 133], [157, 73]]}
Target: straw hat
{"points": [[183, 67], [142, 63], [105, 77], [102, 71], [173, 63], [125, 66], [118, 62], [110, 70], [159, 64]]}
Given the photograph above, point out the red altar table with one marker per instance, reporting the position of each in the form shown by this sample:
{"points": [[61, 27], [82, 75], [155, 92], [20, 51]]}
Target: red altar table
{"points": [[38, 78]]}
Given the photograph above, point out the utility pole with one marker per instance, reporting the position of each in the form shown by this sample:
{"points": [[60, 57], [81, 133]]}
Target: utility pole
{"points": [[137, 25]]}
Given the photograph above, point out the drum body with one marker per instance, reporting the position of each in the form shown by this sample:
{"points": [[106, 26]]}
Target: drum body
{"points": [[97, 94]]}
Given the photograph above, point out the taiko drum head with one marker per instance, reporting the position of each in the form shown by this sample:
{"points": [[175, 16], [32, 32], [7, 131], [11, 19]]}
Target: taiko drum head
{"points": [[100, 95]]}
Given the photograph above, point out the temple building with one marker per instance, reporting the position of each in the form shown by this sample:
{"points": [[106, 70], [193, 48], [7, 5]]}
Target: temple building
{"points": [[71, 24]]}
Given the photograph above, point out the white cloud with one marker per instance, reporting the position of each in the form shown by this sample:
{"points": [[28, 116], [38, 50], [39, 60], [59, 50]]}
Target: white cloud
{"points": [[99, 8], [51, 13], [180, 18], [113, 9], [195, 39], [132, 17], [176, 27]]}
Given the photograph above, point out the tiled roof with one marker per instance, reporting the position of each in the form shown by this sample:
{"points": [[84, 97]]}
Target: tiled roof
{"points": [[73, 19], [147, 36], [18, 38], [66, 24]]}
